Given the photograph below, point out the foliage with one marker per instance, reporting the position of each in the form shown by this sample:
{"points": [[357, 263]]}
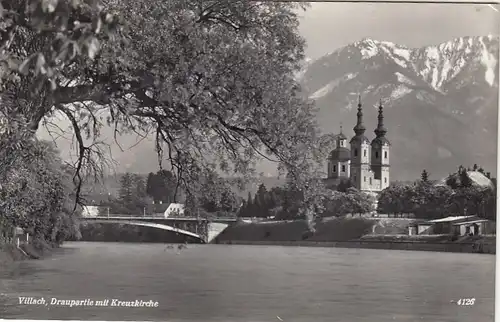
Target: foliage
{"points": [[344, 185], [459, 196], [162, 186], [350, 202], [279, 202], [35, 192], [424, 176], [132, 198], [214, 82], [397, 199], [286, 203], [42, 37]]}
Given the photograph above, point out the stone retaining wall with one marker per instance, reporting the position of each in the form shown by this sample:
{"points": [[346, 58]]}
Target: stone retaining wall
{"points": [[477, 247]]}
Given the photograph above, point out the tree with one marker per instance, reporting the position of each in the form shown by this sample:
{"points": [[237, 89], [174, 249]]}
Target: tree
{"points": [[161, 186], [39, 40], [361, 203], [35, 192], [293, 200], [489, 210], [344, 185], [424, 176], [475, 167], [430, 202], [261, 202], [140, 186], [247, 208], [181, 71], [127, 191], [151, 184], [392, 200], [452, 181], [464, 179]]}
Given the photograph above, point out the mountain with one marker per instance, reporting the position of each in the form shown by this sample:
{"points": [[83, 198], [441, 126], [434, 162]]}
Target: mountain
{"points": [[440, 102]]}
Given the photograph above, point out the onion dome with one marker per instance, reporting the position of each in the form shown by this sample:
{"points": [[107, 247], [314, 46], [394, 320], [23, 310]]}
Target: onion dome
{"points": [[340, 154]]}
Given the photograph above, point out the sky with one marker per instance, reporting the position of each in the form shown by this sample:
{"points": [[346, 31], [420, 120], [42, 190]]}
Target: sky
{"points": [[327, 26]]}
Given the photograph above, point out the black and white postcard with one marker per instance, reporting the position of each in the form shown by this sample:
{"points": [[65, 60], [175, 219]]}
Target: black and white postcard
{"points": [[248, 161]]}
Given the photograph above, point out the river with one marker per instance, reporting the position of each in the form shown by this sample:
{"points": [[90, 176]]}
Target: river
{"points": [[232, 283]]}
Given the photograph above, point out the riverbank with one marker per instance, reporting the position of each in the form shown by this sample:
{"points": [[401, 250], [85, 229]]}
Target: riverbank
{"points": [[478, 247], [9, 253], [352, 233]]}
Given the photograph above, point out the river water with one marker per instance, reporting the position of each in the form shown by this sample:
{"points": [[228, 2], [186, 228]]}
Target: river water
{"points": [[232, 283]]}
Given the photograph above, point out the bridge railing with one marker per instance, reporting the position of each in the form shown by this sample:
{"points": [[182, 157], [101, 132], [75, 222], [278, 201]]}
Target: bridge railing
{"points": [[161, 216]]}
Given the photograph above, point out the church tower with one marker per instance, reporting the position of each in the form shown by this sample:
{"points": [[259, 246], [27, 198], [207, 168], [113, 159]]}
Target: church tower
{"points": [[340, 159], [361, 175], [380, 151]]}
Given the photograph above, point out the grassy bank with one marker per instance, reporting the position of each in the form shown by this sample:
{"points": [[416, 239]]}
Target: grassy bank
{"points": [[328, 230]]}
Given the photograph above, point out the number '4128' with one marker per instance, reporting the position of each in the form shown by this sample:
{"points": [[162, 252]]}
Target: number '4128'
{"points": [[466, 302]]}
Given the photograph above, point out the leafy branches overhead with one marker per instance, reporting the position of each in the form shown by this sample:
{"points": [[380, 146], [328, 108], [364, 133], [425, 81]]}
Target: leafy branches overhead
{"points": [[40, 43], [40, 37], [211, 80]]}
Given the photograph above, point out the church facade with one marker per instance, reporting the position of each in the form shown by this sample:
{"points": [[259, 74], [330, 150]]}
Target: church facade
{"points": [[364, 163]]}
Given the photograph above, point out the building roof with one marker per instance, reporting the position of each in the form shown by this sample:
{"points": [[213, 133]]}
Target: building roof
{"points": [[381, 141], [478, 179], [449, 219], [471, 222], [361, 138], [341, 136], [340, 154], [175, 207]]}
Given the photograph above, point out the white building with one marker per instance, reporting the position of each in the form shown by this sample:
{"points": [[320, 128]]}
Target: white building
{"points": [[90, 211], [174, 210]]}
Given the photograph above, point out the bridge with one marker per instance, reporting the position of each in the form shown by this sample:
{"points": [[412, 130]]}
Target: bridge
{"points": [[203, 229]]}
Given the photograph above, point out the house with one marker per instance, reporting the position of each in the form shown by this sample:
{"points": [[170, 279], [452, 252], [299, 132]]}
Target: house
{"points": [[90, 211], [474, 227], [460, 225], [436, 226], [174, 210]]}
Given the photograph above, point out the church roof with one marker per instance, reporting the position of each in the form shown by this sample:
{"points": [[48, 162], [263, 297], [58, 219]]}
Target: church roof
{"points": [[381, 140], [361, 138], [340, 154], [341, 136]]}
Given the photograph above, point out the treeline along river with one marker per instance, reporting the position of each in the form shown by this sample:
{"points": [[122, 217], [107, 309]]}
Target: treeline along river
{"points": [[251, 283]]}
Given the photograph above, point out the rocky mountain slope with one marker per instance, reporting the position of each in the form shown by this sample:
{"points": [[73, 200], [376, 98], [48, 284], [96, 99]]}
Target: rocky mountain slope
{"points": [[440, 101]]}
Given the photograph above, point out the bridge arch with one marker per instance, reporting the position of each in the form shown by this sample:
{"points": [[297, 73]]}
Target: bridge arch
{"points": [[147, 224]]}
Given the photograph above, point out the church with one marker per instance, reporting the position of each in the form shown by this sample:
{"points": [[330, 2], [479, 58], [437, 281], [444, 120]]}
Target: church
{"points": [[366, 164]]}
